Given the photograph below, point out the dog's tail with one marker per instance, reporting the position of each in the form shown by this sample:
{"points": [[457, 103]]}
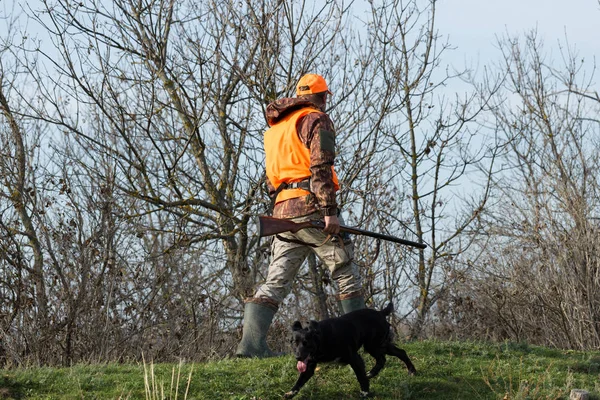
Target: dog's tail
{"points": [[388, 309]]}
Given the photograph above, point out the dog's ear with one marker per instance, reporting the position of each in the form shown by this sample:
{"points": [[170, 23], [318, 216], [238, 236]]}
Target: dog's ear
{"points": [[297, 326]]}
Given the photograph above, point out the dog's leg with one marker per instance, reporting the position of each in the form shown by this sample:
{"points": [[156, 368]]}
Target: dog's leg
{"points": [[358, 365], [302, 379], [392, 350], [379, 357]]}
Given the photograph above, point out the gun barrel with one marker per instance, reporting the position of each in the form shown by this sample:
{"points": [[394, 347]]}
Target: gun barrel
{"points": [[271, 226], [382, 236]]}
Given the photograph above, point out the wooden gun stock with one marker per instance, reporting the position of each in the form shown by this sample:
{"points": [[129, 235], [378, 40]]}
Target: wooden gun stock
{"points": [[269, 226]]}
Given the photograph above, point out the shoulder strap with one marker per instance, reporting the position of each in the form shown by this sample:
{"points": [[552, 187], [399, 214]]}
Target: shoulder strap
{"points": [[274, 195]]}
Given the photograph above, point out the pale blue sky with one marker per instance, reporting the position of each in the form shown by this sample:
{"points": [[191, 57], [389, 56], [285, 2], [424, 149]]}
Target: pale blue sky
{"points": [[472, 25]]}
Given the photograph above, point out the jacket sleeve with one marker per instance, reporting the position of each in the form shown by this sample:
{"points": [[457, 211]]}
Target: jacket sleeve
{"points": [[317, 132]]}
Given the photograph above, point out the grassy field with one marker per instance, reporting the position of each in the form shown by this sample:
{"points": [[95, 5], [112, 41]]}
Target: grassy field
{"points": [[447, 370]]}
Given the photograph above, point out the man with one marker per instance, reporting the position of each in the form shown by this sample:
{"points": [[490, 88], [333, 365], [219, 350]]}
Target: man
{"points": [[300, 153]]}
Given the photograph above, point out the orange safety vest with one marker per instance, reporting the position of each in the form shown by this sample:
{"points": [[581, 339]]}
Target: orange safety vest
{"points": [[287, 158]]}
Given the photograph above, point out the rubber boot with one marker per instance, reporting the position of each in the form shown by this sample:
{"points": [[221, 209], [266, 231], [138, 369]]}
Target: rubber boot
{"points": [[353, 304], [257, 319]]}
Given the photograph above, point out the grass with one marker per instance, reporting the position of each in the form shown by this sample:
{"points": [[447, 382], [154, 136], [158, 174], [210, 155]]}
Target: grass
{"points": [[447, 370]]}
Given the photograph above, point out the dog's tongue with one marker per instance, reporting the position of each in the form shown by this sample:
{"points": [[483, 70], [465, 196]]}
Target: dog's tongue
{"points": [[301, 366]]}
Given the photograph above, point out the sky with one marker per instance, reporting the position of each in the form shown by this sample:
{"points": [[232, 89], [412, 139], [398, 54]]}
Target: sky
{"points": [[473, 25]]}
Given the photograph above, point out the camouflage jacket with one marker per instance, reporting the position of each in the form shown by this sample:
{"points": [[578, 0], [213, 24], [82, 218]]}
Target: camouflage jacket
{"points": [[317, 132]]}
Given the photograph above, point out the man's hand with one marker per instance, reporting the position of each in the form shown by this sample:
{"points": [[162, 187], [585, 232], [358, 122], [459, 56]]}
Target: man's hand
{"points": [[332, 225]]}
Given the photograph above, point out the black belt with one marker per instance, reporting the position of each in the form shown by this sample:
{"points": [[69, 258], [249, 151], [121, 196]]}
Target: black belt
{"points": [[303, 184]]}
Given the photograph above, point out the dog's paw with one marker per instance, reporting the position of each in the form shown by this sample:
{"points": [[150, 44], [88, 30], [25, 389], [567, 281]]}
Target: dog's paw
{"points": [[290, 394], [364, 395], [412, 372]]}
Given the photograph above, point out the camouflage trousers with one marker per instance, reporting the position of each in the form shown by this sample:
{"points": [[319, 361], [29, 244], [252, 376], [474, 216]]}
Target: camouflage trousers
{"points": [[287, 257]]}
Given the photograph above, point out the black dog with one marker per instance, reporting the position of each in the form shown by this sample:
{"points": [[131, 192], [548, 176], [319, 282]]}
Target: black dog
{"points": [[339, 339]]}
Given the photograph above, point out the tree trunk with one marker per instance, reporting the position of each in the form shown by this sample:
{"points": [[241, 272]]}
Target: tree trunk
{"points": [[18, 198]]}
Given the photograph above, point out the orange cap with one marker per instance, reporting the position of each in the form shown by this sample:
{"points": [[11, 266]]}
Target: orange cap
{"points": [[310, 84]]}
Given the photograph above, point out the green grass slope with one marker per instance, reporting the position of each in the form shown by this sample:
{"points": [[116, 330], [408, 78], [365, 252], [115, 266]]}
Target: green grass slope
{"points": [[446, 370]]}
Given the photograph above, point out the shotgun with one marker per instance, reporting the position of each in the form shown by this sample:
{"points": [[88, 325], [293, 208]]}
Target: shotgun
{"points": [[269, 226]]}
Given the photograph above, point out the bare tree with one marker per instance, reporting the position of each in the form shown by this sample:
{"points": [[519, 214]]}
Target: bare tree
{"points": [[161, 109], [541, 281], [433, 150], [21, 238], [152, 116], [178, 94]]}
